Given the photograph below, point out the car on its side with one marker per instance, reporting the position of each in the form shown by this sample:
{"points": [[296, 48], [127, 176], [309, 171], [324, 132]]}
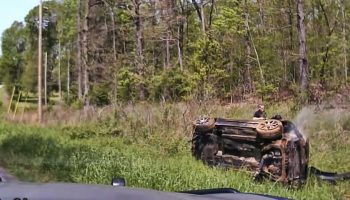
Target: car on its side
{"points": [[270, 148]]}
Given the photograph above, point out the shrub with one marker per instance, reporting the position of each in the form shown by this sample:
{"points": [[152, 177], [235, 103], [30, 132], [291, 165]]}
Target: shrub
{"points": [[77, 104], [99, 94], [172, 84]]}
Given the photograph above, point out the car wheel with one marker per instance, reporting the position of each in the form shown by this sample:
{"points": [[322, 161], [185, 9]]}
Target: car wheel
{"points": [[269, 129], [204, 124]]}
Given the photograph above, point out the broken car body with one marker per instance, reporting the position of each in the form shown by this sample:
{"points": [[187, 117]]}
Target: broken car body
{"points": [[270, 148]]}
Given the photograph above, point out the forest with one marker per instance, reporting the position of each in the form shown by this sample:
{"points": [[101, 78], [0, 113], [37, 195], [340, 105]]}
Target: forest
{"points": [[98, 52]]}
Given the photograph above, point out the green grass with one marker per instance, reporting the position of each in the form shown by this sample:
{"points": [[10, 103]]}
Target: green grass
{"points": [[148, 146]]}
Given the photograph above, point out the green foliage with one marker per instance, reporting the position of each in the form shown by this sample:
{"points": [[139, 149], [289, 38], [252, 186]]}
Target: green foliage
{"points": [[171, 84], [12, 63], [77, 104], [29, 79], [127, 81], [100, 94], [207, 66], [67, 21], [219, 62], [266, 91], [28, 76], [67, 99], [229, 19]]}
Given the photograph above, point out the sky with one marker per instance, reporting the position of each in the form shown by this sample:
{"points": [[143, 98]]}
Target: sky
{"points": [[12, 10]]}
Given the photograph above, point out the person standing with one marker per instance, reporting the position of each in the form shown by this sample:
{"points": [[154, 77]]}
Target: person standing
{"points": [[260, 112]]}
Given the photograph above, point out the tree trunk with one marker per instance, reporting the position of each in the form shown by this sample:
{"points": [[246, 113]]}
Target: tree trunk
{"points": [[114, 56], [111, 15], [180, 32], [285, 67], [154, 24], [40, 110], [247, 76], [59, 72], [115, 78], [139, 48], [113, 35], [202, 16], [124, 42], [251, 41], [344, 46], [169, 17], [179, 51], [247, 88], [328, 46], [85, 53], [261, 14], [211, 14], [167, 48], [79, 58], [68, 75], [291, 39], [303, 62], [200, 12], [45, 79]]}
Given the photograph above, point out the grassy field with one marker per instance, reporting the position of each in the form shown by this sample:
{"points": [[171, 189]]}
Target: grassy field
{"points": [[147, 145]]}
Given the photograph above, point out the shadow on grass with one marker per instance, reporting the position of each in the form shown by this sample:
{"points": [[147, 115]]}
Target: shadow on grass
{"points": [[46, 155]]}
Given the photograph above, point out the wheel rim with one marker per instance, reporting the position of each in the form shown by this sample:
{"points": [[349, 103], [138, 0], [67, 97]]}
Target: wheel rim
{"points": [[202, 120], [269, 125]]}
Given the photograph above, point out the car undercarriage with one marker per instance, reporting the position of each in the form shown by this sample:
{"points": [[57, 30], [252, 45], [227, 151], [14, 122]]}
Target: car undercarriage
{"points": [[270, 148]]}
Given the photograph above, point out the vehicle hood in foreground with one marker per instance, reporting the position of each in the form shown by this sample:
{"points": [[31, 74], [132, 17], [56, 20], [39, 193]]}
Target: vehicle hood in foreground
{"points": [[71, 191]]}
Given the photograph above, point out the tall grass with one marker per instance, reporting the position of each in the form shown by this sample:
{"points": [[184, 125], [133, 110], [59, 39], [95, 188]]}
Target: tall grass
{"points": [[148, 146]]}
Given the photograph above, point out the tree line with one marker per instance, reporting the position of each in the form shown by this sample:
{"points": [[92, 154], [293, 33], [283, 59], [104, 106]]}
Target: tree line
{"points": [[104, 51]]}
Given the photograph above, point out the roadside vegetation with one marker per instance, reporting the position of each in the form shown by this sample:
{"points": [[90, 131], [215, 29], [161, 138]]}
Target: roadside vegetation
{"points": [[148, 145]]}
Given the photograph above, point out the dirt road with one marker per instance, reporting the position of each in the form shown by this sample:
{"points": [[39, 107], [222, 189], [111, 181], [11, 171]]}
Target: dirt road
{"points": [[5, 176]]}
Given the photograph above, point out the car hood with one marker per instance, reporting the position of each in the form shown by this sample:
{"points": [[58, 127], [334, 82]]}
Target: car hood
{"points": [[71, 191]]}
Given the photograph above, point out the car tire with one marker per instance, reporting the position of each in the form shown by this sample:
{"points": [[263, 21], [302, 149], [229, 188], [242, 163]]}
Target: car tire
{"points": [[269, 129], [204, 124]]}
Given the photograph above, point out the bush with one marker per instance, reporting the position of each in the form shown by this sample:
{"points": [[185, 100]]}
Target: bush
{"points": [[77, 104], [127, 82], [266, 91], [100, 94], [172, 84], [72, 96]]}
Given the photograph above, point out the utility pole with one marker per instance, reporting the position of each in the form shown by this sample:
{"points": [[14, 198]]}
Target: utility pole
{"points": [[45, 79], [40, 110]]}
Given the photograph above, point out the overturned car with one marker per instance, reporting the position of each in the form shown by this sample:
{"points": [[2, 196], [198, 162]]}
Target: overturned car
{"points": [[271, 148]]}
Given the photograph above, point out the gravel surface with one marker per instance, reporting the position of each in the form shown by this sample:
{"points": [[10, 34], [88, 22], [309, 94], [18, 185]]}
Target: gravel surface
{"points": [[5, 176]]}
